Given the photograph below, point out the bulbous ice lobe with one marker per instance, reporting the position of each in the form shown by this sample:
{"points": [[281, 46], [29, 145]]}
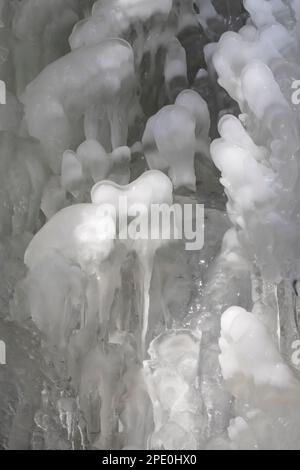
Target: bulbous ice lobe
{"points": [[79, 233], [175, 69], [112, 18], [150, 189], [100, 75], [99, 301], [265, 99], [263, 12], [173, 135], [171, 378]]}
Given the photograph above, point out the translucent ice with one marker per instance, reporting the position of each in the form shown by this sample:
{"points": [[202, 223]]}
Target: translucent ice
{"points": [[113, 18], [153, 187], [264, 387], [41, 30], [78, 233], [171, 138], [242, 363], [171, 376], [91, 163], [67, 100], [175, 69], [125, 342]]}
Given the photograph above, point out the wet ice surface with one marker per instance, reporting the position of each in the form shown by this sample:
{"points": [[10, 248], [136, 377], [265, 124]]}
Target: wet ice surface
{"points": [[141, 344]]}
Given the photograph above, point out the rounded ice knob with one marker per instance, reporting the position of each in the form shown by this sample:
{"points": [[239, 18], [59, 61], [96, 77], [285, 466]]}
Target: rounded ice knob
{"points": [[169, 145], [81, 233]]}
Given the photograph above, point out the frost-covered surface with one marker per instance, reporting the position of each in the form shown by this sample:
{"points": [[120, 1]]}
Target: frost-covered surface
{"points": [[141, 344]]}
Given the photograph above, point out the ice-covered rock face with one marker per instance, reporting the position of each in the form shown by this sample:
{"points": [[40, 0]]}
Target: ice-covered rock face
{"points": [[100, 77], [117, 339], [173, 135], [114, 17]]}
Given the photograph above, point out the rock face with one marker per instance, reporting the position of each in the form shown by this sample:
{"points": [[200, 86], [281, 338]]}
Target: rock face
{"points": [[120, 118]]}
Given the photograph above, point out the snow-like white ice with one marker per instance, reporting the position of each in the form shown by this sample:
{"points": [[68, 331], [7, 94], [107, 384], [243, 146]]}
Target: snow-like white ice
{"points": [[116, 343]]}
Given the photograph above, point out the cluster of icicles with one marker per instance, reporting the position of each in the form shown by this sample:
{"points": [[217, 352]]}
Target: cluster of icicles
{"points": [[102, 103]]}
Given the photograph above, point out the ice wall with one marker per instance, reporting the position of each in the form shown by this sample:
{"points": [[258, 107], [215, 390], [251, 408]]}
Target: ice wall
{"points": [[138, 343]]}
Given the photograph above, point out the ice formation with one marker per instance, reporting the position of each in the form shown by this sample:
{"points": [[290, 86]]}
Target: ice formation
{"points": [[118, 341], [173, 135], [59, 97]]}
